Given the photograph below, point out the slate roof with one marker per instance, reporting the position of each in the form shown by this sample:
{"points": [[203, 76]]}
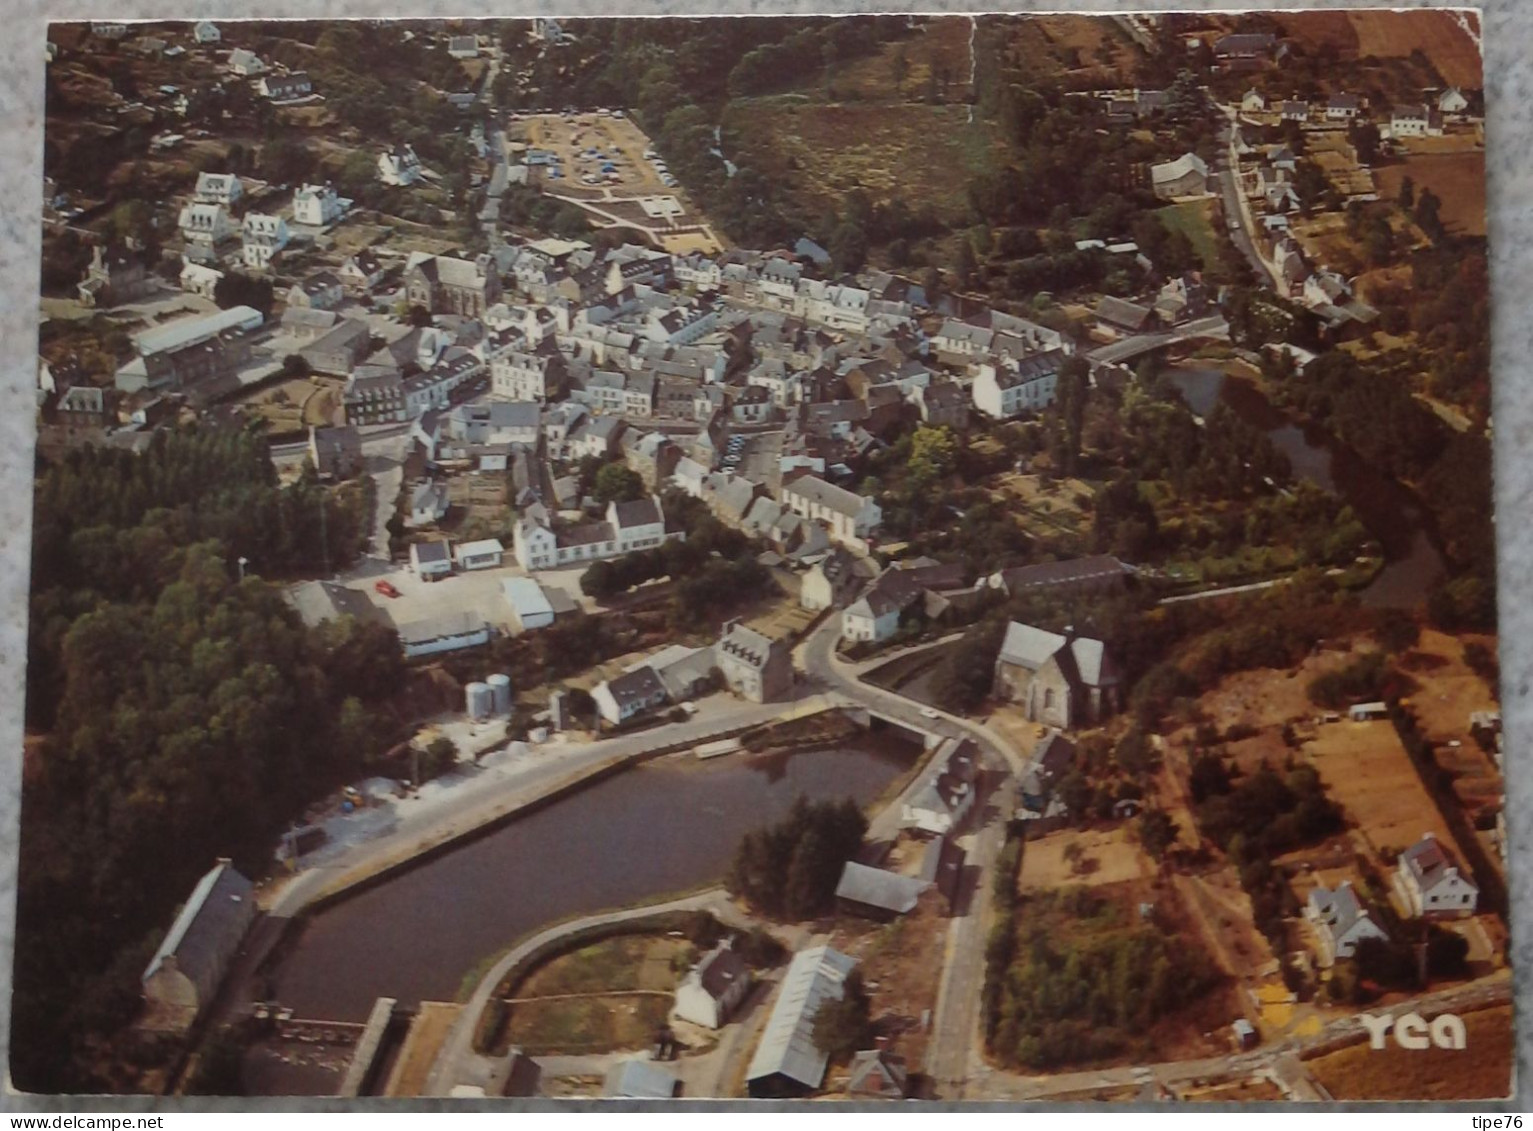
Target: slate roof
{"points": [[203, 928], [877, 1072], [719, 971], [876, 887], [828, 495], [1075, 571], [636, 512], [1428, 862], [639, 685]]}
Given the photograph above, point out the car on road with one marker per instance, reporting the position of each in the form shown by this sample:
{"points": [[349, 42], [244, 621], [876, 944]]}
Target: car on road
{"points": [[930, 713], [386, 588]]}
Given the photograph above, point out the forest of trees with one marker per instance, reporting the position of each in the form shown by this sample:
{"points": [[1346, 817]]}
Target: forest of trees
{"points": [[789, 870], [1083, 985], [177, 713]]}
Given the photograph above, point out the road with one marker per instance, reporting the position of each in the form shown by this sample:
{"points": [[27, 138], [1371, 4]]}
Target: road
{"points": [[458, 1059], [1214, 326], [1235, 205], [952, 1049]]}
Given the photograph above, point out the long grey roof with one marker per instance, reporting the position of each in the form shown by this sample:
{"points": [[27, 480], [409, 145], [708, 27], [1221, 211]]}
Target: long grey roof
{"points": [[202, 929], [787, 1047], [879, 888]]}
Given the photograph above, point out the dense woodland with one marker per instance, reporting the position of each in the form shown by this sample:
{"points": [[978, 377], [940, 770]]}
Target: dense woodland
{"points": [[188, 714], [790, 870]]}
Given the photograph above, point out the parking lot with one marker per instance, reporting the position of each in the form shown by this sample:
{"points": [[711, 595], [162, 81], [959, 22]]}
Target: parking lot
{"points": [[477, 591], [610, 151]]}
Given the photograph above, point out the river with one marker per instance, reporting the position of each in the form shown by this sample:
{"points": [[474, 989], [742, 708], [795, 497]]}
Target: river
{"points": [[662, 827], [1412, 562]]}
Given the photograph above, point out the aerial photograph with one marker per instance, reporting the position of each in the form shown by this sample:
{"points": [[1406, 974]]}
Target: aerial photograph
{"points": [[840, 558]]}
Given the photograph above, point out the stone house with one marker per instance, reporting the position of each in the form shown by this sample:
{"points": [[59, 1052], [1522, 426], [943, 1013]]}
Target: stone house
{"points": [[1060, 680]]}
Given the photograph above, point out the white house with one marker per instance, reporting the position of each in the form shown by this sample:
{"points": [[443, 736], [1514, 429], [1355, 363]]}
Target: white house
{"points": [[205, 224], [1252, 102], [1430, 883], [318, 205], [243, 62], [851, 518], [264, 238], [399, 166], [872, 618], [1009, 388], [362, 271], [431, 560], [1186, 176], [628, 695], [206, 31], [486, 553], [1415, 121], [218, 188], [199, 280], [1452, 101], [713, 988], [1343, 107], [285, 88], [1340, 921]]}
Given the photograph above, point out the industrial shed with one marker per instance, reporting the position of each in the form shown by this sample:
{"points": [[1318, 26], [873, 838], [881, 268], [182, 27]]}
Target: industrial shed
{"points": [[787, 1061], [528, 602]]}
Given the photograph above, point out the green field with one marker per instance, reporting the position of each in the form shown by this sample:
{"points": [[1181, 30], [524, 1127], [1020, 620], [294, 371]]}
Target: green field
{"points": [[1192, 219]]}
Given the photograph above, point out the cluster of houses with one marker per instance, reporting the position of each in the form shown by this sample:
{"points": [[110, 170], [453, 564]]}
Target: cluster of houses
{"points": [[747, 662], [1426, 882]]}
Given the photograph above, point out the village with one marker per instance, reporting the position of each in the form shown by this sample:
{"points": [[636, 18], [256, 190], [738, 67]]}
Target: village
{"points": [[635, 500]]}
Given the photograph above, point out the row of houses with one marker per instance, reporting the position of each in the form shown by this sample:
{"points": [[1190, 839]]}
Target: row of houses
{"points": [[745, 661]]}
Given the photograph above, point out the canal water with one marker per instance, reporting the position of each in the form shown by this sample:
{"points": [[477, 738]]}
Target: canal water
{"points": [[662, 827], [1412, 562]]}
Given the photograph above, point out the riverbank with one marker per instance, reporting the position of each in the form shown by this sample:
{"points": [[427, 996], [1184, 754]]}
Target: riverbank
{"points": [[1389, 509]]}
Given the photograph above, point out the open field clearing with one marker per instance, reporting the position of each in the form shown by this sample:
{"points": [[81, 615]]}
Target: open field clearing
{"points": [[903, 959], [1457, 178], [1481, 1070], [1083, 48], [1368, 773], [1440, 35], [1108, 856], [940, 50], [1194, 219], [823, 151]]}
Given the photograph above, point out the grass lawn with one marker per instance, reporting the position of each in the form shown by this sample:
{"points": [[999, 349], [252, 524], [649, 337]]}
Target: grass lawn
{"points": [[1192, 219], [626, 962], [587, 1025]]}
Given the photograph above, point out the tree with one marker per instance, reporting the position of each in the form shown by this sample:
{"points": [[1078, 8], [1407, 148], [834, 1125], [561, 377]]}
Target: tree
{"points": [[418, 316], [617, 483], [965, 267], [439, 756], [844, 1025], [848, 247], [933, 451], [1407, 195], [295, 365], [1157, 833]]}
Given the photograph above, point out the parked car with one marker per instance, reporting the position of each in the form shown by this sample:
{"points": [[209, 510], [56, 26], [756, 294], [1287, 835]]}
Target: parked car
{"points": [[386, 588]]}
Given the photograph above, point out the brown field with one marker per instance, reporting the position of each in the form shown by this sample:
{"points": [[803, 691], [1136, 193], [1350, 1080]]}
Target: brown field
{"points": [[1440, 35], [1320, 28], [293, 404], [1221, 911], [943, 48], [1482, 1070], [422, 1043], [1367, 772], [903, 959], [920, 152], [1110, 856], [1457, 178], [587, 1025], [1084, 47]]}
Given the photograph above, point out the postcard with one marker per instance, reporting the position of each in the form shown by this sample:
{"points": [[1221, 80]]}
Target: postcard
{"points": [[874, 557]]}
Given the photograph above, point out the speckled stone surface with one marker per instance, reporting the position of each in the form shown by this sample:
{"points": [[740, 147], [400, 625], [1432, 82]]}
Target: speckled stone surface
{"points": [[1508, 45]]}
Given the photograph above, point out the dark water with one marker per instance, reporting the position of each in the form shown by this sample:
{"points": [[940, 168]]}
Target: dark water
{"points": [[654, 829], [1390, 512]]}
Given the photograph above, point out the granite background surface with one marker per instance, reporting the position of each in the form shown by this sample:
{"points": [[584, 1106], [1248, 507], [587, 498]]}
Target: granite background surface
{"points": [[1508, 47]]}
